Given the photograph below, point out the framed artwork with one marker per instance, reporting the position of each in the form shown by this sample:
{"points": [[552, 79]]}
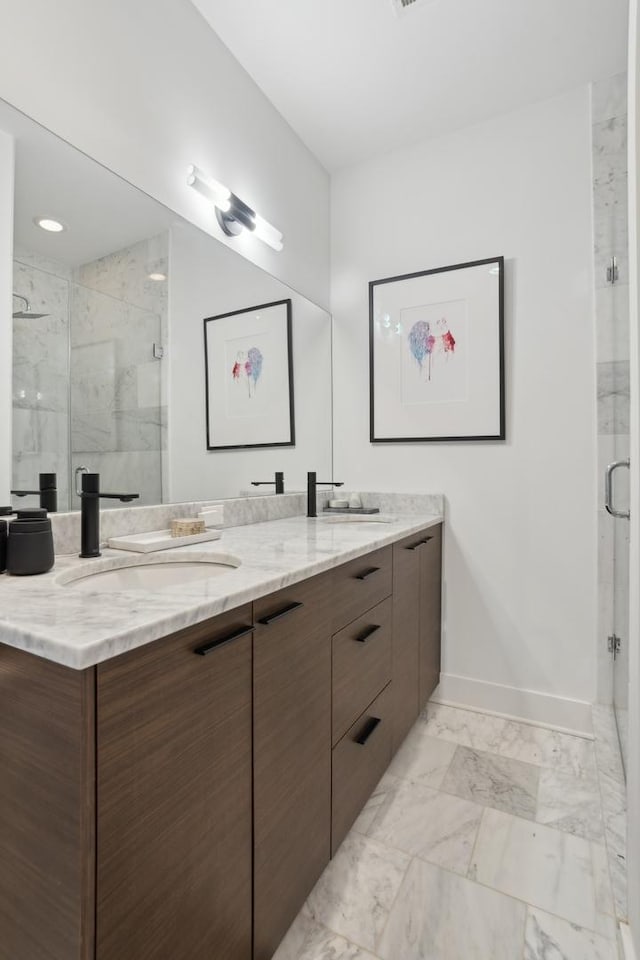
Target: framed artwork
{"points": [[436, 354], [249, 378]]}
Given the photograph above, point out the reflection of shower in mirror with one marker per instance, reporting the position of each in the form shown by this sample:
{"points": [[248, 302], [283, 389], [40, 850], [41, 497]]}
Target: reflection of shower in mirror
{"points": [[27, 313]]}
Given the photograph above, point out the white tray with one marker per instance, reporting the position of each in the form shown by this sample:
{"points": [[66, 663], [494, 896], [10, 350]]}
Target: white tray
{"points": [[159, 540]]}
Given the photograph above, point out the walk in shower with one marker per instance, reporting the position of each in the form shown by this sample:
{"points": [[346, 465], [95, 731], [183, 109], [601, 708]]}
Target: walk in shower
{"points": [[88, 385]]}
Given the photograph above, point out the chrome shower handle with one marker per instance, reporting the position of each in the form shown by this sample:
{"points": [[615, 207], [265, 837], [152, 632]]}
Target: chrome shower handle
{"points": [[79, 472], [608, 489]]}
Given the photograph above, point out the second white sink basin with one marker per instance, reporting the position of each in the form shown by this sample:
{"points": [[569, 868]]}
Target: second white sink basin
{"points": [[150, 575]]}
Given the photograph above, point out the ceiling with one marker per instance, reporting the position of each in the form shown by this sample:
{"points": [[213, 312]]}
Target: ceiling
{"points": [[101, 212], [355, 80]]}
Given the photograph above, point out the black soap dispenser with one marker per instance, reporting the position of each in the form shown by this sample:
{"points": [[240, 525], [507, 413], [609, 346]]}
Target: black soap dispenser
{"points": [[30, 544]]}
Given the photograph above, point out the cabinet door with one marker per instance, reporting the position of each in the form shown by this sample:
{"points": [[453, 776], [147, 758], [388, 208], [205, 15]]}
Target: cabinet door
{"points": [[174, 796], [406, 636], [292, 754], [47, 813], [430, 613]]}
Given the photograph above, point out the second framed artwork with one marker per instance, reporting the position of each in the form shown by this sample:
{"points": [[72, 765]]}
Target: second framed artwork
{"points": [[436, 354], [249, 378]]}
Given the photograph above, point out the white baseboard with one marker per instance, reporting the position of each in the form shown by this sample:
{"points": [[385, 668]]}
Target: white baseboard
{"points": [[626, 940], [530, 706]]}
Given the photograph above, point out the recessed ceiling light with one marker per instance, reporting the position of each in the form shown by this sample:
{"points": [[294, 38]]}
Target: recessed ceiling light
{"points": [[157, 276], [46, 223]]}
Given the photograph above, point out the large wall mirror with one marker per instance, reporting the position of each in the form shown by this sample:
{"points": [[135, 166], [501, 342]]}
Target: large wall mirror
{"points": [[108, 340]]}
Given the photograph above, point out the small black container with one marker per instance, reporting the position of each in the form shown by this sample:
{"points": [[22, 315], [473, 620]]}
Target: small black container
{"points": [[3, 545], [29, 547]]}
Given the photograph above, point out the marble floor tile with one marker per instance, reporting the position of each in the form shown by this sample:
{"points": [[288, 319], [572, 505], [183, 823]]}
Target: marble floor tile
{"points": [[509, 738], [422, 757], [379, 796], [292, 945], [355, 893], [429, 824], [547, 868], [464, 727], [570, 803], [550, 938], [440, 916], [548, 748], [493, 781], [308, 940]]}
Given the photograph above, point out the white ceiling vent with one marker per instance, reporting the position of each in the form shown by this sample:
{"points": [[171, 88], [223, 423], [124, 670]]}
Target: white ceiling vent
{"points": [[400, 7]]}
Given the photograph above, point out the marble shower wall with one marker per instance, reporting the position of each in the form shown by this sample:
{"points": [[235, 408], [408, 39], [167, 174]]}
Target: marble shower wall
{"points": [[40, 376], [609, 119], [118, 403]]}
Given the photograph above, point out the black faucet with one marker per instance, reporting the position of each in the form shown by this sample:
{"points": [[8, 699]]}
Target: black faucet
{"points": [[312, 483], [47, 491], [279, 482], [90, 496]]}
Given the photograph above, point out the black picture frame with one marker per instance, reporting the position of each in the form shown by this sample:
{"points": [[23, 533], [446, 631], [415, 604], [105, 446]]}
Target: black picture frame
{"points": [[500, 434], [288, 415]]}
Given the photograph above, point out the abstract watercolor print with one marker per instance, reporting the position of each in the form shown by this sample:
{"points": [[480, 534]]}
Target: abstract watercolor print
{"points": [[248, 368], [426, 345], [434, 352]]}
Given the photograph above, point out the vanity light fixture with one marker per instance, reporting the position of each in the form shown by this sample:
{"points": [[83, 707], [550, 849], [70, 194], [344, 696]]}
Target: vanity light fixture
{"points": [[232, 214], [158, 277], [47, 223]]}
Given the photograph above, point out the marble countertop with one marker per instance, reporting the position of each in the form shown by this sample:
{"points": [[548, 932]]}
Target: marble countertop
{"points": [[49, 617]]}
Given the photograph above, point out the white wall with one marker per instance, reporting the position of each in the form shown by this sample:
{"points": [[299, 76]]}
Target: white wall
{"points": [[6, 324], [633, 761], [146, 88], [206, 280], [520, 552]]}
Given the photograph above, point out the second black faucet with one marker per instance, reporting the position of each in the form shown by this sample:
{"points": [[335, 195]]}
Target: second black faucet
{"points": [[90, 497]]}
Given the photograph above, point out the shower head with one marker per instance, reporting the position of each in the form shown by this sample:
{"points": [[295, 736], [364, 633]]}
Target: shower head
{"points": [[27, 313]]}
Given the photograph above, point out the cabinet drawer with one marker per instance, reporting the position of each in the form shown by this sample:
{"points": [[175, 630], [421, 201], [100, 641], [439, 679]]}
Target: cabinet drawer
{"points": [[423, 540], [359, 585], [361, 665], [358, 762]]}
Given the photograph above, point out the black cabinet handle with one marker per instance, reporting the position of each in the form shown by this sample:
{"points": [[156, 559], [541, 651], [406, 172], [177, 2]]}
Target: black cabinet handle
{"points": [[371, 725], [367, 573], [420, 543], [208, 647], [265, 621], [368, 632]]}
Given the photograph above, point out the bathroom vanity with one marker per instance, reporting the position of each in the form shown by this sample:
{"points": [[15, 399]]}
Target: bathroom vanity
{"points": [[179, 796]]}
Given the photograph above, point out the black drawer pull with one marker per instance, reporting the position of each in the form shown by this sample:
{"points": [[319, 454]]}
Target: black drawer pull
{"points": [[368, 632], [420, 543], [367, 573], [265, 621], [372, 723], [208, 647]]}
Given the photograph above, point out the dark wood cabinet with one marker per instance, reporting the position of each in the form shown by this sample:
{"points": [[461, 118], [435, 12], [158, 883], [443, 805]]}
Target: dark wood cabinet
{"points": [[181, 800], [174, 796], [416, 626], [430, 625], [292, 754], [47, 826]]}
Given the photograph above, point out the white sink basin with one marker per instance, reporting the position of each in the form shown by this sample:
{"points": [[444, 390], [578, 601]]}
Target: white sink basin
{"points": [[145, 574]]}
